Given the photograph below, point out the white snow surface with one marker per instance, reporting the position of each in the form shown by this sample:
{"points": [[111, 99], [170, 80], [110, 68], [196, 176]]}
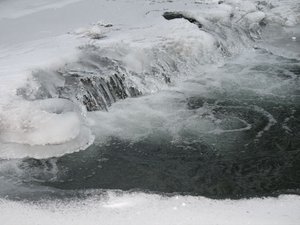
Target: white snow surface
{"points": [[138, 208], [19, 8]]}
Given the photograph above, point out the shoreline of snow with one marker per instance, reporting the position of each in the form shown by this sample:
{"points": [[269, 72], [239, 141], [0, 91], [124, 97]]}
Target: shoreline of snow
{"points": [[139, 208]]}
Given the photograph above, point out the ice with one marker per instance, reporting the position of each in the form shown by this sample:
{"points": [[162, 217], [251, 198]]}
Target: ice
{"points": [[147, 47], [52, 127], [50, 36], [50, 124]]}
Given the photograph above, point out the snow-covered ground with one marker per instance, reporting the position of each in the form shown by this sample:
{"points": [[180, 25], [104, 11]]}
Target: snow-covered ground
{"points": [[48, 34], [154, 209]]}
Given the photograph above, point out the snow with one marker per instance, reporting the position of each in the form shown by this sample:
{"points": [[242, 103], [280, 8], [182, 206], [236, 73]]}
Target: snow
{"points": [[137, 208], [46, 34], [19, 8]]}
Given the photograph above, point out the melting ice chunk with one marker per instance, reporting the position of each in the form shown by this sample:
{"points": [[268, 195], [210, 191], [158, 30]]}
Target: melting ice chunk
{"points": [[38, 125]]}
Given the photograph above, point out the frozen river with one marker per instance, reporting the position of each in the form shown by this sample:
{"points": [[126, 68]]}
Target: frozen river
{"points": [[153, 112]]}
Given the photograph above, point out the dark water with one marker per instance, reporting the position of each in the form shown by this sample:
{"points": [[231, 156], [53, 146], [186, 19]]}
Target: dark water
{"points": [[257, 154]]}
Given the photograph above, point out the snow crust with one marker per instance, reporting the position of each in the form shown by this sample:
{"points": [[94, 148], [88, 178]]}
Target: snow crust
{"points": [[19, 8], [137, 208]]}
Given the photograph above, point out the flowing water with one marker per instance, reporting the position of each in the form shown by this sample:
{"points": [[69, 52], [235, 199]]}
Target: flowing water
{"points": [[204, 103]]}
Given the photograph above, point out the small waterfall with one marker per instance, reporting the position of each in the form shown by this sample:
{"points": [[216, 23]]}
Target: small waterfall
{"points": [[101, 75], [97, 92]]}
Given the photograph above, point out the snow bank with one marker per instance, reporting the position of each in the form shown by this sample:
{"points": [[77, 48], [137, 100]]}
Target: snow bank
{"points": [[135, 208]]}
